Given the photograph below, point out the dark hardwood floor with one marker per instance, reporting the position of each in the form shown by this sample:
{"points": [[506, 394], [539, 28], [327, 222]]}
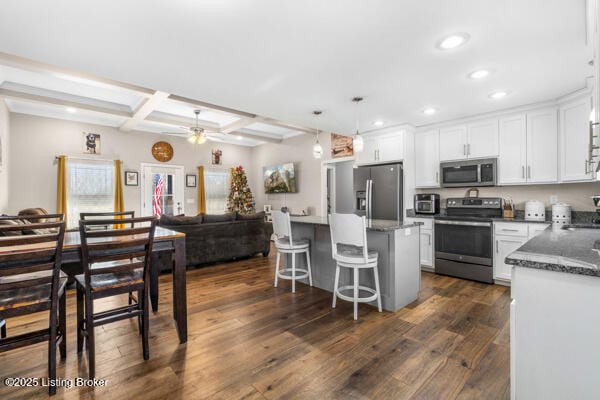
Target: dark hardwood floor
{"points": [[250, 340]]}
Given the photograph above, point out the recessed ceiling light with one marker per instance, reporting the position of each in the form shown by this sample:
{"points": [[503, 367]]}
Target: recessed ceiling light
{"points": [[498, 94], [71, 110], [453, 41], [378, 123], [239, 137], [479, 74], [429, 111]]}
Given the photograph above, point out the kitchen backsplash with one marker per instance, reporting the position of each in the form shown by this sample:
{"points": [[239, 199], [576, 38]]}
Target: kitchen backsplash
{"points": [[577, 195]]}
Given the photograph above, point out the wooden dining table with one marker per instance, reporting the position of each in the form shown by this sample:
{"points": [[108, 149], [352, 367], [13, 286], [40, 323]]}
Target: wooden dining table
{"points": [[165, 240]]}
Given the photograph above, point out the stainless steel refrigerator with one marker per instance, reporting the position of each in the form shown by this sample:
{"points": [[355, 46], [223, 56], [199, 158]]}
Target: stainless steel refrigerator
{"points": [[378, 191]]}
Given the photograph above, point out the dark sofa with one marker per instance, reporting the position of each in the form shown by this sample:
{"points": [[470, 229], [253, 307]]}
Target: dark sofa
{"points": [[217, 238]]}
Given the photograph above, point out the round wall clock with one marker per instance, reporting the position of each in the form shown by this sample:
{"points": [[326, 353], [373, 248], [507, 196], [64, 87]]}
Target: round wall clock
{"points": [[162, 151]]}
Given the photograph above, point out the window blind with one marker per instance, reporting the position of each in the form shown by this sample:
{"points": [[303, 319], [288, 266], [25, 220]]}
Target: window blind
{"points": [[216, 186], [90, 188]]}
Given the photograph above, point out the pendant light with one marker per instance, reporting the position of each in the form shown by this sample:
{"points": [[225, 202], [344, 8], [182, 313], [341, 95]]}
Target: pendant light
{"points": [[357, 142], [317, 148]]}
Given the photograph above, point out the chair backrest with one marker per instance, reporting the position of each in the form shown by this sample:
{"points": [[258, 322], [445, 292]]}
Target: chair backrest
{"points": [[31, 252], [126, 249], [348, 229], [106, 215], [282, 226]]}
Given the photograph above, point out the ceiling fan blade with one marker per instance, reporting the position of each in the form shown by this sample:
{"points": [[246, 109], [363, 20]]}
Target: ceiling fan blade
{"points": [[176, 133]]}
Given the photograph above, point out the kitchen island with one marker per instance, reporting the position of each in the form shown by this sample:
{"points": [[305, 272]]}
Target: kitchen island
{"points": [[554, 315], [397, 244]]}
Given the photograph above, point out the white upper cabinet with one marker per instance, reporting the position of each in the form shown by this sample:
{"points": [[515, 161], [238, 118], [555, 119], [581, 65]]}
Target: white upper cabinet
{"points": [[512, 160], [381, 148], [575, 140], [391, 148], [482, 139], [427, 159], [369, 153], [542, 146], [453, 143], [475, 140]]}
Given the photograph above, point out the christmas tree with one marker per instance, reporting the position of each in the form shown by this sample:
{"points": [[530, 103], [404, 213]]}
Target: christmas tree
{"points": [[240, 196]]}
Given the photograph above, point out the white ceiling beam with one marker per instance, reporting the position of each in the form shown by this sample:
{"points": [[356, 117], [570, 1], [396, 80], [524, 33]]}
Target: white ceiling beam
{"points": [[282, 124], [178, 120], [204, 104], [239, 124], [144, 110], [24, 63], [257, 137], [15, 95]]}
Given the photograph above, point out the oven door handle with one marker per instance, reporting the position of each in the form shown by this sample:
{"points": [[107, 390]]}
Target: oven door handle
{"points": [[464, 223]]}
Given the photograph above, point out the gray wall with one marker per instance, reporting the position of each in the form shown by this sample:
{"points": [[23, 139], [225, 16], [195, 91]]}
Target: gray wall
{"points": [[344, 194], [4, 155], [308, 170], [35, 141]]}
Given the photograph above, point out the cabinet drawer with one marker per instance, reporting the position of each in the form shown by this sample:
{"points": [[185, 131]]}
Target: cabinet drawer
{"points": [[427, 222], [536, 229], [511, 229]]}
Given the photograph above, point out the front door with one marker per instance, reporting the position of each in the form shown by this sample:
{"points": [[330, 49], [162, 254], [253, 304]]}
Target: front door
{"points": [[162, 190]]}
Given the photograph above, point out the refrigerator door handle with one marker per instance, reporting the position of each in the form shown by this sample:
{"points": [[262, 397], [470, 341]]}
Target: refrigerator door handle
{"points": [[369, 198]]}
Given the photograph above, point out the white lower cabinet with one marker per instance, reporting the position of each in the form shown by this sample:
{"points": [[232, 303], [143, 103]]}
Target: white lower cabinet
{"points": [[426, 242], [508, 237], [554, 331]]}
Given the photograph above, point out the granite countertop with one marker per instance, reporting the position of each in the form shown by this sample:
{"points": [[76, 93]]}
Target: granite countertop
{"points": [[576, 216], [575, 251], [372, 224]]}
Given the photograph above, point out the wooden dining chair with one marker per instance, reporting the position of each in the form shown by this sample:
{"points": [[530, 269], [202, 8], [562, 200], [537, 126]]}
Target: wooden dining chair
{"points": [[115, 262], [31, 281]]}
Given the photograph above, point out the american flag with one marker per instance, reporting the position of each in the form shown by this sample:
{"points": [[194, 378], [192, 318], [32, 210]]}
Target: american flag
{"points": [[158, 188]]}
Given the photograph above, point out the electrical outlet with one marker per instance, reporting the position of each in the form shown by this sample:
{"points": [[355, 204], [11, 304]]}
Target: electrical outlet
{"points": [[553, 199]]}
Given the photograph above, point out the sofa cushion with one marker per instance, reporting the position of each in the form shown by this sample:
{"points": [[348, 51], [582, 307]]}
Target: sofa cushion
{"points": [[180, 220], [212, 218], [250, 217]]}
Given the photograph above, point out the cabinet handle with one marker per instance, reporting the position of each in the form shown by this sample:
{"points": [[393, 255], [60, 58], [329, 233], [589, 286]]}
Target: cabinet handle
{"points": [[529, 171], [496, 246], [429, 237], [469, 149], [523, 171], [586, 166], [437, 177], [509, 230], [464, 149]]}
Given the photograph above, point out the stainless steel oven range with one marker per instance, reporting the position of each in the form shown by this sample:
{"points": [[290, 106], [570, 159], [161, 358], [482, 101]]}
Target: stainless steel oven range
{"points": [[464, 238]]}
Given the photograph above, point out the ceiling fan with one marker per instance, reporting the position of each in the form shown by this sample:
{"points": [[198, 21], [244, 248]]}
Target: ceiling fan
{"points": [[197, 134]]}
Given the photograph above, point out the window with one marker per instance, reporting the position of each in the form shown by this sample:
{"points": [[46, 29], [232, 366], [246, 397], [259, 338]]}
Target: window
{"points": [[90, 188], [216, 187]]}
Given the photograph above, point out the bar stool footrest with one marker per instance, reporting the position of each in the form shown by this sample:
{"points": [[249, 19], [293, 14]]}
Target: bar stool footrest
{"points": [[290, 277], [359, 299]]}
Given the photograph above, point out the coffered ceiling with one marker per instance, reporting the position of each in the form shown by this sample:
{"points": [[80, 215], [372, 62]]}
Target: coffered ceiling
{"points": [[283, 59]]}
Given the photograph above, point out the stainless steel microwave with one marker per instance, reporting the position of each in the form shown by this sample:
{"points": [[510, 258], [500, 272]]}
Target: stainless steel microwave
{"points": [[468, 173]]}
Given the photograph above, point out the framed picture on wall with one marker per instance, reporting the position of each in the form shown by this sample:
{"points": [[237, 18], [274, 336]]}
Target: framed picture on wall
{"points": [[190, 181], [131, 178], [91, 143]]}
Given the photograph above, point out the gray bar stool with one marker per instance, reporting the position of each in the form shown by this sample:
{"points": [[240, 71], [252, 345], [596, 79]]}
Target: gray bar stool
{"points": [[349, 250], [285, 244]]}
